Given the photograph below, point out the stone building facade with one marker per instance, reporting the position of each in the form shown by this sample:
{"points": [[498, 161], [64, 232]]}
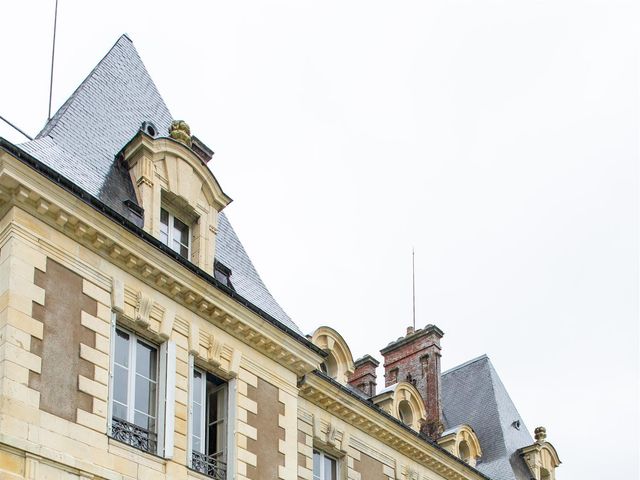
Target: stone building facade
{"points": [[137, 341]]}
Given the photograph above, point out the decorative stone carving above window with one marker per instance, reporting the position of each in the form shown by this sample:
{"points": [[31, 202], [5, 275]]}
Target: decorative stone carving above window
{"points": [[339, 362], [168, 175], [541, 457], [462, 442]]}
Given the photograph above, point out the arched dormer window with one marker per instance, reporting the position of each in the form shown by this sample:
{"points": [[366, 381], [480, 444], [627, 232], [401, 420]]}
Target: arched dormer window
{"points": [[179, 195], [403, 401], [339, 362], [463, 442]]}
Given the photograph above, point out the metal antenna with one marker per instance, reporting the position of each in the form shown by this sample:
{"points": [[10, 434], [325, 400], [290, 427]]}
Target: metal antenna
{"points": [[13, 126], [413, 271], [53, 54]]}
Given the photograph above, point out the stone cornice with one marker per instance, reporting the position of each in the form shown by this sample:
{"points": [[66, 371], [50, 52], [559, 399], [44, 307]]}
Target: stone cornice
{"points": [[136, 252], [339, 401]]}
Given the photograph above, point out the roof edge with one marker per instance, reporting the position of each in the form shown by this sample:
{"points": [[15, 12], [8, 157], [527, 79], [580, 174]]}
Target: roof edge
{"points": [[104, 209], [467, 363]]}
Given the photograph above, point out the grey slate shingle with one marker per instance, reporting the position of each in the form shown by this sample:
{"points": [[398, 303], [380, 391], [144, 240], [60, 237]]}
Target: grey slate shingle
{"points": [[107, 109], [473, 394]]}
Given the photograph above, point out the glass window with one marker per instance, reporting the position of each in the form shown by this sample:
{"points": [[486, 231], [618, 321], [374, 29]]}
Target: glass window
{"points": [[135, 391], [208, 424], [174, 233], [324, 466]]}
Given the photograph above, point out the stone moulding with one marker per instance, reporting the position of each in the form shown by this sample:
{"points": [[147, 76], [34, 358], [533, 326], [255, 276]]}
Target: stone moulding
{"points": [[324, 393], [24, 187]]}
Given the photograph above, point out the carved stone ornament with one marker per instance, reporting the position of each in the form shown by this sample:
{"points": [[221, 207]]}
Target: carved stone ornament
{"points": [[180, 131], [540, 434]]}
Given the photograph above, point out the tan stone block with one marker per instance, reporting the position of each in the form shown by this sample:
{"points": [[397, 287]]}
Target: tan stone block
{"points": [[23, 357], [305, 473], [11, 465], [89, 420], [242, 388], [248, 404], [97, 293], [104, 312], [102, 344], [100, 407], [20, 410], [53, 423], [92, 387], [94, 356], [101, 375], [23, 321], [180, 426], [247, 457], [13, 427], [181, 411], [248, 377], [96, 324], [14, 372], [247, 430], [241, 414]]}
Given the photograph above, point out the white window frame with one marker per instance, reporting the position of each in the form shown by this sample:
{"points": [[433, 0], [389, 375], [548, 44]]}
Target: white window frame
{"points": [[229, 418], [171, 218], [324, 455], [165, 389]]}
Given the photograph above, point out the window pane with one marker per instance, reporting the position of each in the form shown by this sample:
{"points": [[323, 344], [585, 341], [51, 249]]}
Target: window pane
{"points": [[197, 426], [119, 411], [122, 348], [197, 386], [145, 396], [164, 218], [145, 421], [316, 465], [329, 469], [181, 231], [146, 360], [184, 251], [120, 385]]}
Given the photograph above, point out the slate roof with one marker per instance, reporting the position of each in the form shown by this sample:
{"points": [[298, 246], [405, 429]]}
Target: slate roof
{"points": [[473, 394], [105, 112]]}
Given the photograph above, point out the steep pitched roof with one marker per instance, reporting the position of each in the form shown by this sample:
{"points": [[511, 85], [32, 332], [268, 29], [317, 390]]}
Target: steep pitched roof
{"points": [[472, 393], [107, 109]]}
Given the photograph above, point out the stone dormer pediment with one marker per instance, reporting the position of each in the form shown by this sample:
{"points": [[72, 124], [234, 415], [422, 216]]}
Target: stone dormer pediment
{"points": [[179, 194]]}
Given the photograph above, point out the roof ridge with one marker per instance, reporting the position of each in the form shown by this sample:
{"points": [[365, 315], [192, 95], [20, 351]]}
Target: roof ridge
{"points": [[53, 121], [468, 362]]}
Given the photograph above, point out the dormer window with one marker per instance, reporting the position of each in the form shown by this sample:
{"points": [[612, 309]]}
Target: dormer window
{"points": [[175, 233]]}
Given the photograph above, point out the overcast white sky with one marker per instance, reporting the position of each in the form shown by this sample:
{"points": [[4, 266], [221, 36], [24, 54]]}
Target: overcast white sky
{"points": [[498, 138]]}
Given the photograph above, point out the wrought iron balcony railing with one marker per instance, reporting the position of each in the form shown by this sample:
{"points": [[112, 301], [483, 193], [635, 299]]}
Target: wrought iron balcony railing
{"points": [[133, 435], [209, 465]]}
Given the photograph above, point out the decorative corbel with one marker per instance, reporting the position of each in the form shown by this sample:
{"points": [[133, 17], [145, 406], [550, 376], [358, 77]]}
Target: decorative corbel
{"points": [[143, 310]]}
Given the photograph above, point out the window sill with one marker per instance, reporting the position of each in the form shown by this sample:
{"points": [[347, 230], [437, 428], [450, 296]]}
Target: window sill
{"points": [[148, 459]]}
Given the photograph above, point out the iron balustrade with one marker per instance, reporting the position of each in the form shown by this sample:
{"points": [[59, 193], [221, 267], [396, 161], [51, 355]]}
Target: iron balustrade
{"points": [[134, 435], [210, 465]]}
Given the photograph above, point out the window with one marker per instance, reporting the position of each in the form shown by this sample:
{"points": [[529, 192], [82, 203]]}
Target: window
{"points": [[174, 233], [208, 427], [142, 392], [135, 392], [405, 412], [324, 466]]}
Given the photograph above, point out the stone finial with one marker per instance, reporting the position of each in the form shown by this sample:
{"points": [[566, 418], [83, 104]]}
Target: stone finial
{"points": [[180, 131], [540, 434]]}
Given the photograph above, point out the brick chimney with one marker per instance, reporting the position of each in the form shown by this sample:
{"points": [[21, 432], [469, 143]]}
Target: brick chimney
{"points": [[364, 376], [415, 358]]}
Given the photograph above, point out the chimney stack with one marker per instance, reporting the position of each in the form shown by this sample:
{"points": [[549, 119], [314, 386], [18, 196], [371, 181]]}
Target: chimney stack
{"points": [[415, 358], [364, 376]]}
